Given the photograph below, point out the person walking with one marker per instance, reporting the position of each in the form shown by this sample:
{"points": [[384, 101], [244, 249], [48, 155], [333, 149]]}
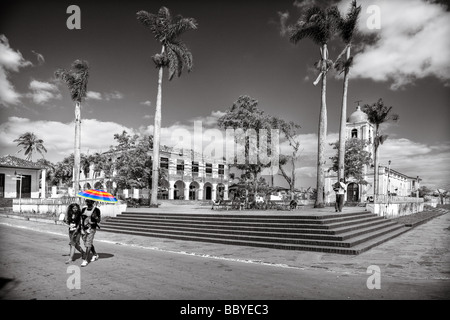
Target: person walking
{"points": [[340, 188], [90, 218], [73, 220]]}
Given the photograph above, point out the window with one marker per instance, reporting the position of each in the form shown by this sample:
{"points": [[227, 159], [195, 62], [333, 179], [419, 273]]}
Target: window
{"points": [[221, 169], [180, 165], [164, 164], [354, 133], [208, 168], [194, 167]]}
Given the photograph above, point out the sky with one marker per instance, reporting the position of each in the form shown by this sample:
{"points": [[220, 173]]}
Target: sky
{"points": [[239, 48]]}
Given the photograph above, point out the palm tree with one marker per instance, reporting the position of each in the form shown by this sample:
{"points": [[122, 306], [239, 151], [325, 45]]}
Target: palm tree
{"points": [[30, 143], [347, 28], [377, 114], [175, 56], [320, 26], [76, 80]]}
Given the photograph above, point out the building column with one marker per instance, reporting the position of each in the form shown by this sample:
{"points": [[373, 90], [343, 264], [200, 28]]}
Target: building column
{"points": [[171, 189], [214, 192], [43, 184], [200, 191], [225, 192], [186, 191]]}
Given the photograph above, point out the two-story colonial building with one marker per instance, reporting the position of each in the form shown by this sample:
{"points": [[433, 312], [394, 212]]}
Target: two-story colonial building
{"points": [[187, 176]]}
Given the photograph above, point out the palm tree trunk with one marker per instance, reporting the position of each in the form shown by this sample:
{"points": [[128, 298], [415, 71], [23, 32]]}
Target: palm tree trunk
{"points": [[341, 166], [322, 135], [156, 139], [76, 160]]}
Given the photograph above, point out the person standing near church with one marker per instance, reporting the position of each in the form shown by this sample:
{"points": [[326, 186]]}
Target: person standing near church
{"points": [[340, 188]]}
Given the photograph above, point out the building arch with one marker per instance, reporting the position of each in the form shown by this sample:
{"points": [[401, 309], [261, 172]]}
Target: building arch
{"points": [[98, 185], [352, 192], [208, 191], [178, 189], [220, 191], [193, 190]]}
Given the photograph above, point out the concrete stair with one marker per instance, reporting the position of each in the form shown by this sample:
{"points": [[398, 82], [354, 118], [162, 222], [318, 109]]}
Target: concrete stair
{"points": [[348, 233]]}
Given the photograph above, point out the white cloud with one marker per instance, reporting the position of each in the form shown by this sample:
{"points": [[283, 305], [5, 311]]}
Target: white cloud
{"points": [[10, 60], [146, 103], [93, 95], [42, 92], [114, 95], [429, 162], [59, 137], [412, 43]]}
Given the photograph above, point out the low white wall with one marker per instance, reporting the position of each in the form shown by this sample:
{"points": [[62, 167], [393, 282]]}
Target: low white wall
{"points": [[392, 207], [43, 207]]}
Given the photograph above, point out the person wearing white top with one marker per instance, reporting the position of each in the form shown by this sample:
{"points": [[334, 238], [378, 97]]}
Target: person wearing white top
{"points": [[340, 188]]}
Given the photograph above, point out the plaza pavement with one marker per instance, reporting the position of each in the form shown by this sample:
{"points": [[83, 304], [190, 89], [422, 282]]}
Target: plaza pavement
{"points": [[421, 254]]}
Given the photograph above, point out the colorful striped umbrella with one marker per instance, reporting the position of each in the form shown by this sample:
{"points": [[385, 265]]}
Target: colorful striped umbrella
{"points": [[97, 195]]}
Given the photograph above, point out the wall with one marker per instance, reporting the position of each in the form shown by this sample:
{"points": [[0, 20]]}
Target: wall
{"points": [[58, 206], [392, 207], [10, 184]]}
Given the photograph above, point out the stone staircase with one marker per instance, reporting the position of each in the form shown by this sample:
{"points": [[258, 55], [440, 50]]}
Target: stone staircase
{"points": [[347, 233]]}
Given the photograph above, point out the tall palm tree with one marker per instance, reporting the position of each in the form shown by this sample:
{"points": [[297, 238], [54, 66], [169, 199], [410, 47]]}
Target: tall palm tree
{"points": [[347, 29], [30, 143], [320, 25], [377, 114], [76, 79], [175, 56]]}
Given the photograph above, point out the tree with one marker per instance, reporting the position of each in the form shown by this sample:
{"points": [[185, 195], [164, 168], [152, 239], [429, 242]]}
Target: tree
{"points": [[244, 114], [290, 132], [76, 80], [441, 193], [356, 159], [30, 143], [175, 56], [377, 114], [425, 191], [49, 172], [64, 171], [347, 28], [320, 26], [133, 165]]}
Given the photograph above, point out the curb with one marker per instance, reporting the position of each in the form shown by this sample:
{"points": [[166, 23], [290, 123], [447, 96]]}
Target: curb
{"points": [[413, 225], [50, 221]]}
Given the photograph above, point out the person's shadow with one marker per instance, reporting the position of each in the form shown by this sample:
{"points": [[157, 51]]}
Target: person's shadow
{"points": [[77, 255]]}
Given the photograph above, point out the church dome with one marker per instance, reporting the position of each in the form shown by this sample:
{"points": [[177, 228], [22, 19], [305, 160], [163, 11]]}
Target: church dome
{"points": [[357, 116]]}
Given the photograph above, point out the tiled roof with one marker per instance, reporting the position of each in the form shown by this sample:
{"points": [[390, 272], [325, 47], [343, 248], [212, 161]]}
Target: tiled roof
{"points": [[11, 161]]}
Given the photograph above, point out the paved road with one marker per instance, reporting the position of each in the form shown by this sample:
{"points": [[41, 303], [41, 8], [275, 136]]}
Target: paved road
{"points": [[413, 266]]}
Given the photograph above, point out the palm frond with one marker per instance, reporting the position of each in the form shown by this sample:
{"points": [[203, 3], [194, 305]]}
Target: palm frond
{"points": [[184, 54], [180, 26], [76, 79], [347, 26], [174, 62]]}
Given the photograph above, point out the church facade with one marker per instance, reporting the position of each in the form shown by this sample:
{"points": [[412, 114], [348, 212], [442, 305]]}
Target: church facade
{"points": [[390, 182]]}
